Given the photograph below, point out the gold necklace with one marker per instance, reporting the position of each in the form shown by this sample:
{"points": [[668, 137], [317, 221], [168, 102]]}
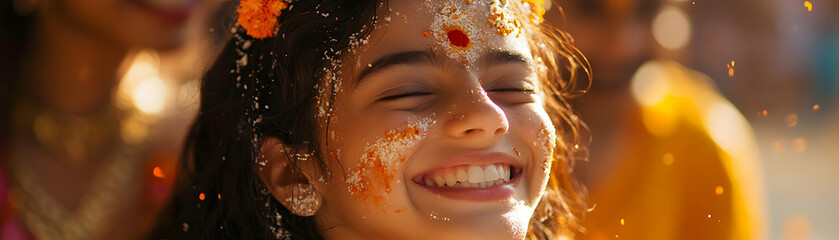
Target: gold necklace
{"points": [[46, 218], [71, 137], [114, 185]]}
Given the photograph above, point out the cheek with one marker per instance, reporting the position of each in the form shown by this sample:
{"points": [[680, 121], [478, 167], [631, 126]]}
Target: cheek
{"points": [[539, 134], [377, 169]]}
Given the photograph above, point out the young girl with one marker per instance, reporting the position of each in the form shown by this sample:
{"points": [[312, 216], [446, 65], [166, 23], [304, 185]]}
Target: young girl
{"points": [[384, 120]]}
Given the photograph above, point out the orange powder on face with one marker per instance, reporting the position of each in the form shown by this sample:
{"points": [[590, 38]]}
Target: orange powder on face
{"points": [[371, 181]]}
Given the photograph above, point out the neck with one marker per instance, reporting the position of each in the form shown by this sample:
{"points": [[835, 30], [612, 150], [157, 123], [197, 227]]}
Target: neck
{"points": [[69, 69]]}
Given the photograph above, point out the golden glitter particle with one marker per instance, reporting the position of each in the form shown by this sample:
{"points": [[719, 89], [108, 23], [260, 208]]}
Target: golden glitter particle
{"points": [[816, 107], [616, 236], [219, 196], [792, 120], [426, 34], [719, 190], [667, 159], [808, 5], [709, 215], [201, 196], [622, 222], [158, 173], [731, 69], [800, 144], [764, 113]]}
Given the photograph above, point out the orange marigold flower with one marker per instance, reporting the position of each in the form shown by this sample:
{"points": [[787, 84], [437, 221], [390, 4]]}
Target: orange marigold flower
{"points": [[259, 17]]}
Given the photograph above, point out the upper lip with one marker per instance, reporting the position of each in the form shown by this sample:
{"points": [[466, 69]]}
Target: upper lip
{"points": [[479, 159]]}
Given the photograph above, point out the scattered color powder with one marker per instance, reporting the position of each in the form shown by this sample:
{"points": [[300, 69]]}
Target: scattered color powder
{"points": [[546, 140], [426, 34], [458, 38], [371, 182], [730, 69]]}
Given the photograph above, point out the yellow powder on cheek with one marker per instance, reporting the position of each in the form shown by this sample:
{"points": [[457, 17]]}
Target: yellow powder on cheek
{"points": [[380, 162]]}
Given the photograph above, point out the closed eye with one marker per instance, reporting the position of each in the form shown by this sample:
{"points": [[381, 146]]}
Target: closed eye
{"points": [[403, 95]]}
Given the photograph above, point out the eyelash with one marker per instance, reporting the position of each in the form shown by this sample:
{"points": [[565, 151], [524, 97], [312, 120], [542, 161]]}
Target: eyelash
{"points": [[419, 94], [404, 95], [523, 90]]}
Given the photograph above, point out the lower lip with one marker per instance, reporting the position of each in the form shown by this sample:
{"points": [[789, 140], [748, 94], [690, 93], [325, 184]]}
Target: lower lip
{"points": [[180, 14], [494, 193]]}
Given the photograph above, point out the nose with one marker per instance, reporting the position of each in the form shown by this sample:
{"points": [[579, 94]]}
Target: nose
{"points": [[476, 118]]}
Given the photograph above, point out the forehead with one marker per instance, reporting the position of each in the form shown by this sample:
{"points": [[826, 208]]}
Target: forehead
{"points": [[458, 30]]}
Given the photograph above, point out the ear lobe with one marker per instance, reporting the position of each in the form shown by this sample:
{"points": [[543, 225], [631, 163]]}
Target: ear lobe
{"points": [[286, 179]]}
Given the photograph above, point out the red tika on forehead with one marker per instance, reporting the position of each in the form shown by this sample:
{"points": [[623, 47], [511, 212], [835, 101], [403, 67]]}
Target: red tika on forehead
{"points": [[458, 38]]}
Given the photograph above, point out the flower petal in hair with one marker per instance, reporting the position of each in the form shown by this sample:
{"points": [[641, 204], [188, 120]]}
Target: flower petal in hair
{"points": [[259, 17]]}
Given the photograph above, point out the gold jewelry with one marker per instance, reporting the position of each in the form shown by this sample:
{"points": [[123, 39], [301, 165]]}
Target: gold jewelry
{"points": [[76, 138], [46, 218], [71, 137]]}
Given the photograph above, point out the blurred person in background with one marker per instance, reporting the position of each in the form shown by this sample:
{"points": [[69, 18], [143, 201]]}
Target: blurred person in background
{"points": [[670, 157], [91, 117]]}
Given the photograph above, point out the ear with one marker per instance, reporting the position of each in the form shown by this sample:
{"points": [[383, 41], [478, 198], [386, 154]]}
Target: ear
{"points": [[288, 180]]}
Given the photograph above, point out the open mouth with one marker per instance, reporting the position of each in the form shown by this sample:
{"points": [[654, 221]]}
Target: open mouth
{"points": [[472, 182]]}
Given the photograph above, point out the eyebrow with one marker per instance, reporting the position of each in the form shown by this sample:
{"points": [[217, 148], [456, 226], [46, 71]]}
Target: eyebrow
{"points": [[497, 57], [412, 57], [494, 57]]}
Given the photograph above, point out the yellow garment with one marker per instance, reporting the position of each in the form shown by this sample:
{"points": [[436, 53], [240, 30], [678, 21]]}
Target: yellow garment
{"points": [[685, 165]]}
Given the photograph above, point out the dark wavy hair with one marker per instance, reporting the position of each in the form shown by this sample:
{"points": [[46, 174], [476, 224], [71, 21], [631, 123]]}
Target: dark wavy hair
{"points": [[286, 72]]}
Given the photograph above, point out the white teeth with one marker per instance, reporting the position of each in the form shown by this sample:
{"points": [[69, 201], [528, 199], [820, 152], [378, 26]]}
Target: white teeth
{"points": [[439, 181], [470, 177], [450, 180], [475, 174], [461, 175], [490, 173]]}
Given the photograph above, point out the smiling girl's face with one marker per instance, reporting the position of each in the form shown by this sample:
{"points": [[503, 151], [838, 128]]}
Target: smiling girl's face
{"points": [[439, 129]]}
